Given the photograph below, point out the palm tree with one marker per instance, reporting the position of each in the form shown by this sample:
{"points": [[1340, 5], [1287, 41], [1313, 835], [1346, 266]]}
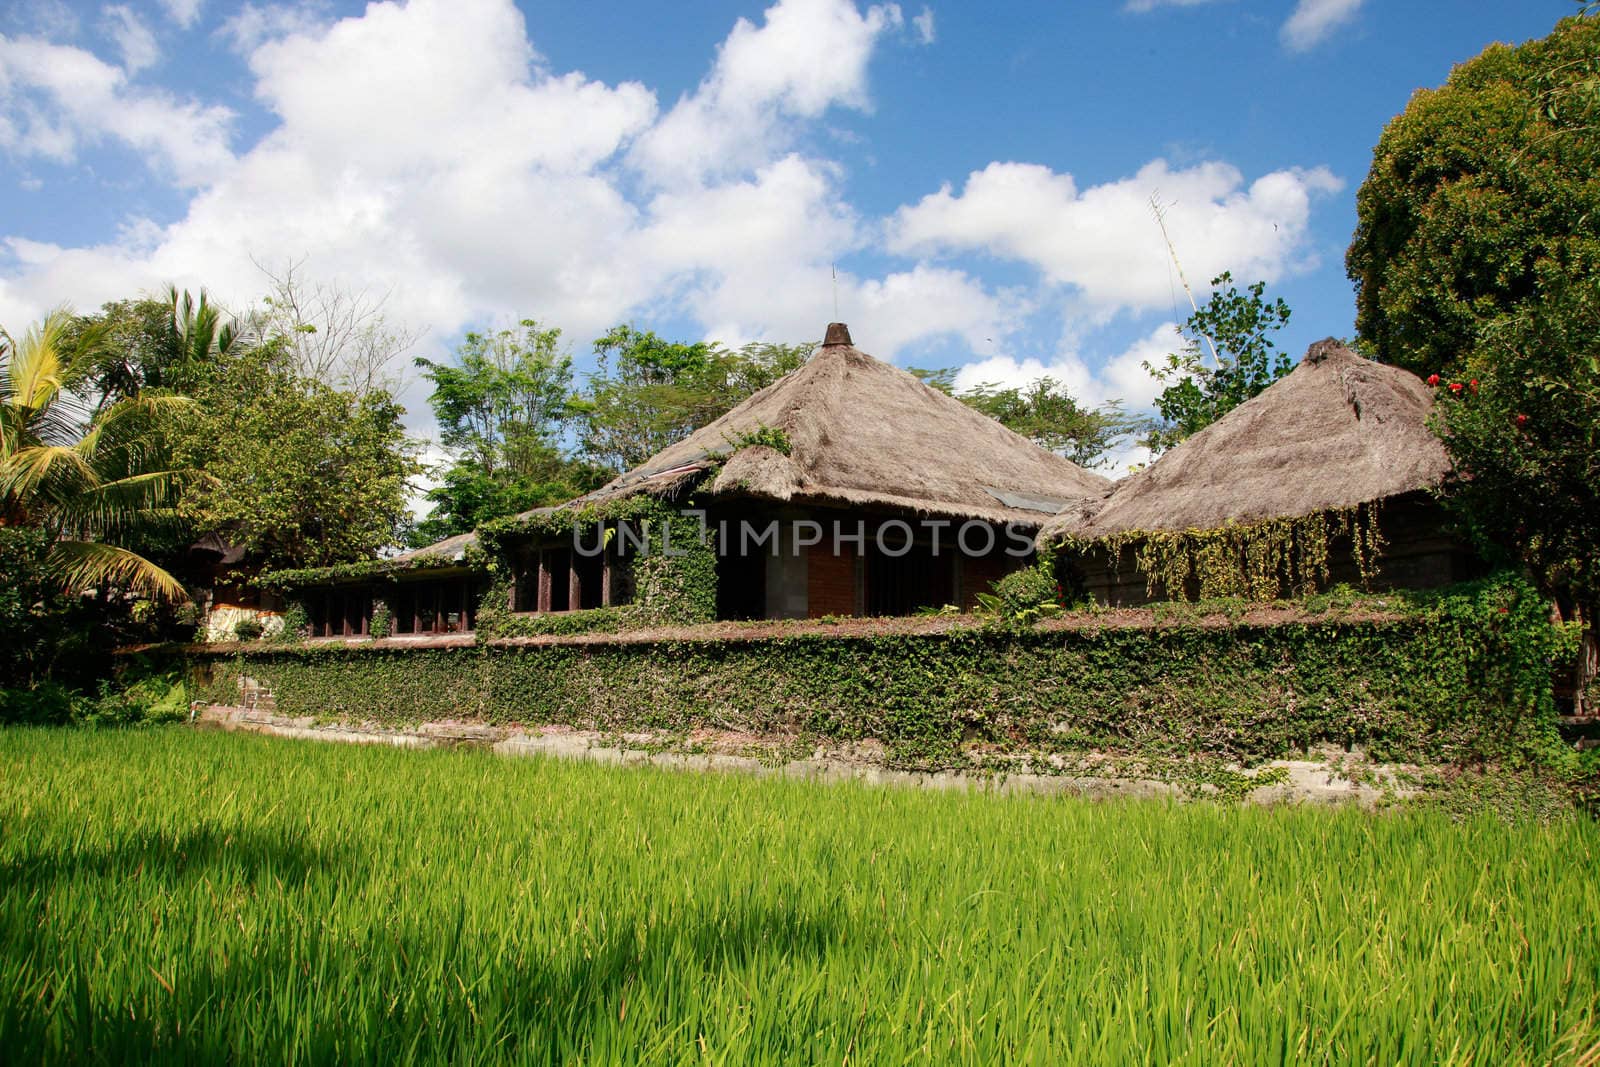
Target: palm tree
{"points": [[87, 479]]}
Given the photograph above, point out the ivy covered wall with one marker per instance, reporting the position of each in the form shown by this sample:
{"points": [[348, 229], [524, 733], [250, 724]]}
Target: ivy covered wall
{"points": [[1454, 678]]}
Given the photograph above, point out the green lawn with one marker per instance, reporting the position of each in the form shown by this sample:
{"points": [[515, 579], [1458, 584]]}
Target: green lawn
{"points": [[189, 896]]}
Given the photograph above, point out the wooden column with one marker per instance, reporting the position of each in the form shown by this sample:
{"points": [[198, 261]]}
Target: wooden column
{"points": [[544, 583]]}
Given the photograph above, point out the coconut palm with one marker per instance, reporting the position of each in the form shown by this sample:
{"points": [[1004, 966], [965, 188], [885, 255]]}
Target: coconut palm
{"points": [[87, 479]]}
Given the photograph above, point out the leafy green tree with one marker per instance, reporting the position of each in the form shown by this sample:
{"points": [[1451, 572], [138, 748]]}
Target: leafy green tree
{"points": [[90, 480], [170, 344], [503, 406], [1047, 415], [648, 392], [1482, 198], [1236, 330], [1522, 424], [298, 473]]}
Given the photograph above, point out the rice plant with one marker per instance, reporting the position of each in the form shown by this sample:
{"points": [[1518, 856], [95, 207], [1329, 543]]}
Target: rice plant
{"points": [[179, 896]]}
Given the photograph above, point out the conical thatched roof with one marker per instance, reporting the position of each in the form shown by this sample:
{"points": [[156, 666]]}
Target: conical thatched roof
{"points": [[1337, 431], [865, 433]]}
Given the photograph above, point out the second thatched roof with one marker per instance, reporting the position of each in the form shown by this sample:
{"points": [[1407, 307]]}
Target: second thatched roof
{"points": [[1337, 431], [861, 432]]}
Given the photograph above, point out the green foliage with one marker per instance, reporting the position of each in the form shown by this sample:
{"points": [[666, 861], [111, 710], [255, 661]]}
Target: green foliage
{"points": [[248, 628], [296, 623], [1482, 198], [1257, 561], [93, 482], [1047, 415], [673, 582], [1523, 427], [1024, 596], [138, 693], [1456, 678], [382, 623], [300, 474], [1236, 328], [764, 436], [502, 407], [649, 392], [326, 903]]}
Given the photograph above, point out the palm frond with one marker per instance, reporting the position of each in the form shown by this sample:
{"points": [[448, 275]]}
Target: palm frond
{"points": [[44, 474], [35, 368], [125, 505], [82, 565]]}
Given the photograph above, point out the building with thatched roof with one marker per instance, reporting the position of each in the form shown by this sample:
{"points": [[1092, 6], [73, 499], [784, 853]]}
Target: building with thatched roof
{"points": [[847, 487], [1323, 477]]}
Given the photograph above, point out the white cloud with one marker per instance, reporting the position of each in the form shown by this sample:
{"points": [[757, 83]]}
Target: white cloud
{"points": [[184, 12], [133, 38], [254, 25], [1313, 20], [923, 25], [1104, 242], [1141, 6], [806, 57], [1093, 382], [55, 99], [426, 150]]}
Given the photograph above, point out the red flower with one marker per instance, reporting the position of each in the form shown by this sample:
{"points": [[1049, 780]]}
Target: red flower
{"points": [[1433, 379], [1473, 384], [1455, 387], [1522, 420]]}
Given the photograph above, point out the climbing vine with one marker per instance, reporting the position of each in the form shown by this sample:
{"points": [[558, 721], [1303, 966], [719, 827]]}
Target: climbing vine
{"points": [[1254, 561], [1460, 677]]}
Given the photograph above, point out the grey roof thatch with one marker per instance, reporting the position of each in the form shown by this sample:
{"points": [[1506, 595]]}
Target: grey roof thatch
{"points": [[451, 548], [862, 432], [1337, 431]]}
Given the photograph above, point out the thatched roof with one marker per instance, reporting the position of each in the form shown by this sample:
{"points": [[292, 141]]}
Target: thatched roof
{"points": [[862, 432], [453, 549], [1337, 431]]}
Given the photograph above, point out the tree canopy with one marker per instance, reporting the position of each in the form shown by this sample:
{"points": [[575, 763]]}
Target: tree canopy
{"points": [[90, 480], [648, 392], [503, 406], [1484, 195], [1236, 329]]}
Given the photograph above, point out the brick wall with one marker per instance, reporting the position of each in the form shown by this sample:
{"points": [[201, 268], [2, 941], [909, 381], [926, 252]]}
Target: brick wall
{"points": [[831, 581], [978, 574]]}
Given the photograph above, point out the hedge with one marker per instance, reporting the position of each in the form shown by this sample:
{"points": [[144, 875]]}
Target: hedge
{"points": [[1456, 678]]}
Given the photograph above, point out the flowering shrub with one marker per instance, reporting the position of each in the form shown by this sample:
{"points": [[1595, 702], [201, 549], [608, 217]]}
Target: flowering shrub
{"points": [[1524, 432]]}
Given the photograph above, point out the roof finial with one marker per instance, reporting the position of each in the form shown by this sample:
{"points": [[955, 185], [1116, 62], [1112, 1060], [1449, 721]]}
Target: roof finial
{"points": [[838, 334]]}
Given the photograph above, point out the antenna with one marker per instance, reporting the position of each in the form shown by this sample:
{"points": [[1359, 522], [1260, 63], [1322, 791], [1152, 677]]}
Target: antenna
{"points": [[835, 267], [1161, 221]]}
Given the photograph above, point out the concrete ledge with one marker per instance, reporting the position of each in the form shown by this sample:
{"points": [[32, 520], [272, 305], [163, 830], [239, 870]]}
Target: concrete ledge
{"points": [[1300, 781]]}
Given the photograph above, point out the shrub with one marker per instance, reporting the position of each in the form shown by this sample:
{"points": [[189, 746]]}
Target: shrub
{"points": [[1024, 597], [248, 629]]}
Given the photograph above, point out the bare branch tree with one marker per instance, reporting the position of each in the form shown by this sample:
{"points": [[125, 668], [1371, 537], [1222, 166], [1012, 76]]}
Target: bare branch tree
{"points": [[335, 335]]}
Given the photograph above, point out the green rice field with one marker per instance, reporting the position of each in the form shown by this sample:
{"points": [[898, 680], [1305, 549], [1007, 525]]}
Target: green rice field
{"points": [[180, 896]]}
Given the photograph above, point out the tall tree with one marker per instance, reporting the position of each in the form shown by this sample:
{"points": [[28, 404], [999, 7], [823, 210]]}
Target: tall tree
{"points": [[298, 473], [171, 344], [1483, 196], [649, 392], [503, 406], [334, 335], [1235, 329], [89, 480]]}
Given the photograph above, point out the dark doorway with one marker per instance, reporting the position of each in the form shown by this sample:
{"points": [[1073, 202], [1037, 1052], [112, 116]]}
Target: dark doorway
{"points": [[899, 585]]}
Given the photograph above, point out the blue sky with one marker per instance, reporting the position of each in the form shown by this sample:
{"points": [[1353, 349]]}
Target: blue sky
{"points": [[978, 175]]}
